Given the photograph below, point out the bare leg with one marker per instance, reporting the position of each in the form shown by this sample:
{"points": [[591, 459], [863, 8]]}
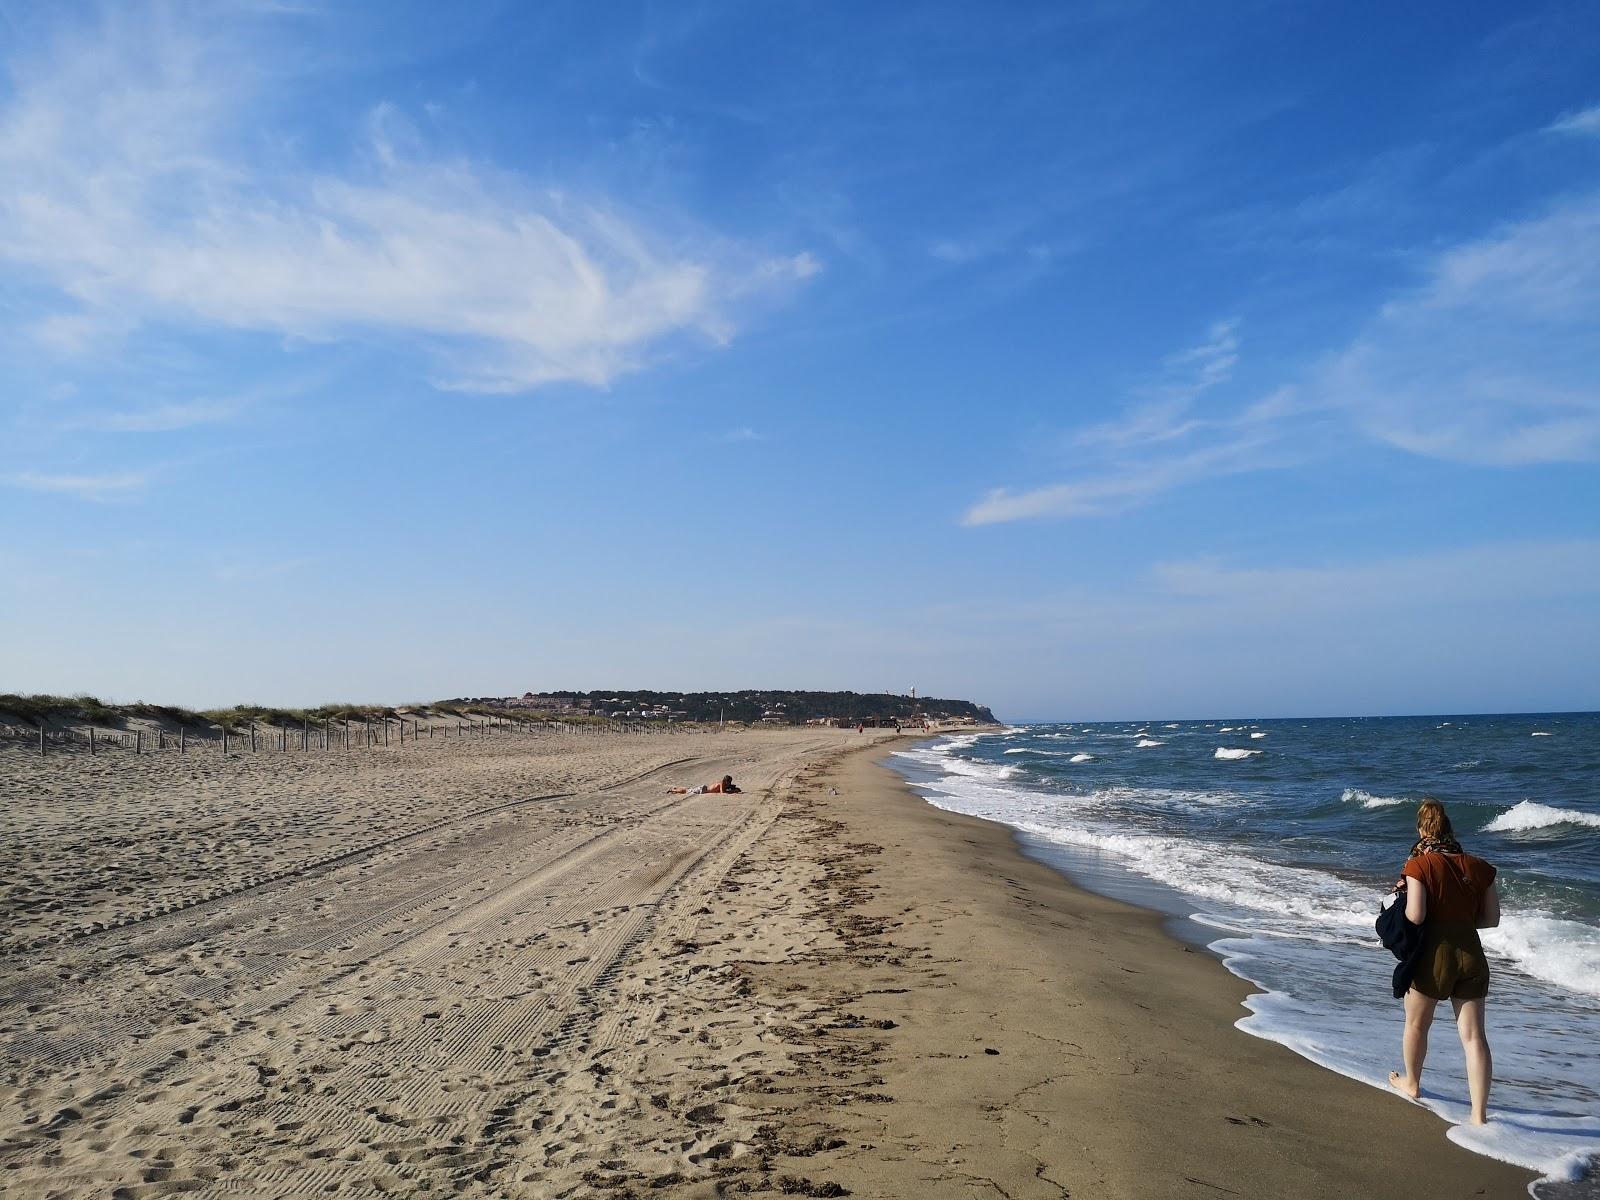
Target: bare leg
{"points": [[1480, 1063], [1414, 1043]]}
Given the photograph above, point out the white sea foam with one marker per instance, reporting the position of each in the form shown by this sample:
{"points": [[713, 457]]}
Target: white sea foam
{"points": [[1226, 729], [1304, 936], [1544, 945], [1368, 800], [1548, 947], [1532, 815], [1169, 726], [1539, 733], [1233, 752], [1327, 905], [1019, 750], [1258, 734], [1007, 772], [1081, 758], [1161, 797], [1144, 743]]}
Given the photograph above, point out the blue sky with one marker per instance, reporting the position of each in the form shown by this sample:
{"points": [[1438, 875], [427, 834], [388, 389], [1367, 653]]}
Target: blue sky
{"points": [[1092, 360]]}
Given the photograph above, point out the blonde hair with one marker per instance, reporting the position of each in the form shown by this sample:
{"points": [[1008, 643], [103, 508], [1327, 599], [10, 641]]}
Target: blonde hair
{"points": [[1433, 822]]}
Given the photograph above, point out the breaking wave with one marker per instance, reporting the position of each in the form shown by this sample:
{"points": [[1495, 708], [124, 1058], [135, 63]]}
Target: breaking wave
{"points": [[1532, 815]]}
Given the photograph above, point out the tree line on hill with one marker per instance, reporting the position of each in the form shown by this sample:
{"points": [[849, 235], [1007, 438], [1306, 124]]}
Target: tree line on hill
{"points": [[794, 707]]}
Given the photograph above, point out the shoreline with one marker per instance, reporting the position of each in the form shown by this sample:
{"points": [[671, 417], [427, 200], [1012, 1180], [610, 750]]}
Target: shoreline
{"points": [[1046, 1039], [550, 977]]}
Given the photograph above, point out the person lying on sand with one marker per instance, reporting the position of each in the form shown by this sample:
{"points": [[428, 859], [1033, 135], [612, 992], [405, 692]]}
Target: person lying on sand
{"points": [[723, 786]]}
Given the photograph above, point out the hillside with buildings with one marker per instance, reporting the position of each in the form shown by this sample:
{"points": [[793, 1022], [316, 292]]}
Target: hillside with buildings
{"points": [[772, 706]]}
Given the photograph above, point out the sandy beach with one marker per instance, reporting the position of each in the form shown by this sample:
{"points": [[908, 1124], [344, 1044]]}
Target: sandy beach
{"points": [[520, 967]]}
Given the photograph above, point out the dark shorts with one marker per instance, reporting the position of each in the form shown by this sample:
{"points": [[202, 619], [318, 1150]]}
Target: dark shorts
{"points": [[1452, 966]]}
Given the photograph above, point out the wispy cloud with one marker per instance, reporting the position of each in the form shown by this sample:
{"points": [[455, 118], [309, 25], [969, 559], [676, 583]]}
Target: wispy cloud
{"points": [[1495, 358], [161, 418], [1130, 484], [1167, 416], [1585, 122], [1159, 444], [134, 182], [117, 485], [1491, 359]]}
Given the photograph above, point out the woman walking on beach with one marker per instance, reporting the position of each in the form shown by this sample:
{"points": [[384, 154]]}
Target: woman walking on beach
{"points": [[1452, 895]]}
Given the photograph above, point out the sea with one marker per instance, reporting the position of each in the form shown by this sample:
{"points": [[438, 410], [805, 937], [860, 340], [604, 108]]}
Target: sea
{"points": [[1274, 842]]}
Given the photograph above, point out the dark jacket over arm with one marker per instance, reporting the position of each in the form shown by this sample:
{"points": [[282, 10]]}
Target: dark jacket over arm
{"points": [[1402, 939]]}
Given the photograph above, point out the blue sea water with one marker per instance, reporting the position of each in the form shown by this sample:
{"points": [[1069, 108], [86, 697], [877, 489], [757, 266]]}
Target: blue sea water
{"points": [[1281, 837]]}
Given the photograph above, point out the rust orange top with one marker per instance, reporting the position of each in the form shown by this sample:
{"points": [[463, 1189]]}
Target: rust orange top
{"points": [[1455, 882]]}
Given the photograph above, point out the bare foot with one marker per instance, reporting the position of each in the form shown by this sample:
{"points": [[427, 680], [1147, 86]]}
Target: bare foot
{"points": [[1400, 1084], [1480, 1119]]}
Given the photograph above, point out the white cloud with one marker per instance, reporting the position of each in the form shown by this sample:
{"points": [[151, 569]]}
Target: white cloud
{"points": [[1157, 445], [1585, 122], [1190, 373], [1213, 360], [1495, 359], [109, 486], [1129, 485], [137, 181], [1492, 359]]}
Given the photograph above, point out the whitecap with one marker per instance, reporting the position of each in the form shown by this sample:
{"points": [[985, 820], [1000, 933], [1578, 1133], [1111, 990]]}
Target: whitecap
{"points": [[1232, 752], [1530, 814], [1548, 947], [1258, 734], [1145, 743], [1080, 758], [1539, 733], [1018, 750], [1368, 800], [1226, 729]]}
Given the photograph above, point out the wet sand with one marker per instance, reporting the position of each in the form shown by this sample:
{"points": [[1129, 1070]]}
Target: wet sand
{"points": [[1014, 1035]]}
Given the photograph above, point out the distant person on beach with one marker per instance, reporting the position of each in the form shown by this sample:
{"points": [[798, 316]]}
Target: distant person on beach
{"points": [[1452, 895], [723, 786]]}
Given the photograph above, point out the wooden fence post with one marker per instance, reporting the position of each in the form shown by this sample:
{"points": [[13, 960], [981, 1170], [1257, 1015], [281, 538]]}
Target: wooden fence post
{"points": [[41, 739], [224, 740], [386, 731], [91, 739], [138, 741], [252, 737], [183, 740]]}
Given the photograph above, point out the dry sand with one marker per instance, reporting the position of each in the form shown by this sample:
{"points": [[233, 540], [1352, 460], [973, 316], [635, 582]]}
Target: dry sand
{"points": [[520, 968]]}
